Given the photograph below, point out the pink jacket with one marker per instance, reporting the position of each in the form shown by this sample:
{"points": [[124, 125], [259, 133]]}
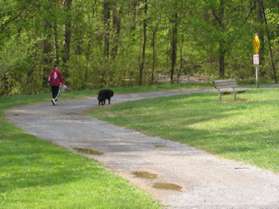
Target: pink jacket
{"points": [[55, 77]]}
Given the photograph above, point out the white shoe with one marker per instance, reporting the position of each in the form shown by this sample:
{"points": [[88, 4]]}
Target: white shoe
{"points": [[53, 102]]}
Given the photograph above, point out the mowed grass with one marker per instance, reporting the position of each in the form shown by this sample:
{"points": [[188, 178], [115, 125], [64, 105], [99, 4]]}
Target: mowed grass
{"points": [[35, 174], [245, 130]]}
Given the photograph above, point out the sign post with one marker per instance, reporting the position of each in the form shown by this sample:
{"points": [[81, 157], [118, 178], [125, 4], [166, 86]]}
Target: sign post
{"points": [[256, 62], [256, 57]]}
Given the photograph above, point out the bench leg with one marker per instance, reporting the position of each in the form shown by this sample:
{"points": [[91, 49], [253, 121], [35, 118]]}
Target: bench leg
{"points": [[234, 95], [220, 97]]}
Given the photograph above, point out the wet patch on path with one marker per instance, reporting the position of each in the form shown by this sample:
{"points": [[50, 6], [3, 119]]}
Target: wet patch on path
{"points": [[145, 174], [88, 151], [167, 186]]}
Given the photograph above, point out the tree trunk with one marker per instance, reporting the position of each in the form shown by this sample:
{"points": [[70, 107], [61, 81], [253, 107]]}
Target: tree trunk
{"points": [[117, 27], [67, 34], [261, 3], [261, 31], [181, 60], [221, 41], [154, 53], [57, 56], [79, 43], [47, 49], [90, 34], [142, 62], [174, 22], [221, 60], [106, 14]]}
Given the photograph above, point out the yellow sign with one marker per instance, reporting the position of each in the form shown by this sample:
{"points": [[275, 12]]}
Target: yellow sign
{"points": [[256, 44]]}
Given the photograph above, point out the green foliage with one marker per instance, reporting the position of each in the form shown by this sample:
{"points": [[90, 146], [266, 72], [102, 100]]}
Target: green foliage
{"points": [[32, 39]]}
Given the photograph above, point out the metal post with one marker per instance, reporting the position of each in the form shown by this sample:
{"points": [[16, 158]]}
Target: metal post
{"points": [[256, 57], [257, 75]]}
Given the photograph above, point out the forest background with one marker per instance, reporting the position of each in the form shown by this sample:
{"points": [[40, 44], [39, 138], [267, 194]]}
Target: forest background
{"points": [[100, 43]]}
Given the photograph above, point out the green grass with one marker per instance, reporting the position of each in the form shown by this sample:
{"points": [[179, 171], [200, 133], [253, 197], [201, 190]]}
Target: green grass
{"points": [[245, 130], [35, 174]]}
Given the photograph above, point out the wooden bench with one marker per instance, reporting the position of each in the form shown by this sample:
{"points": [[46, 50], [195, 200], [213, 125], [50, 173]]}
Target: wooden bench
{"points": [[227, 87]]}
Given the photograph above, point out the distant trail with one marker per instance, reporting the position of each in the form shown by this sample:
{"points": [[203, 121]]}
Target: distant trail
{"points": [[207, 181]]}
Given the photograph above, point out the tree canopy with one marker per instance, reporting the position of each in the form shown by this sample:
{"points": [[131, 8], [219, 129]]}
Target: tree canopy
{"points": [[121, 42]]}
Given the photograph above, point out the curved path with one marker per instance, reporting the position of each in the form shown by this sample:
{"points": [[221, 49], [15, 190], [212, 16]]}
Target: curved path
{"points": [[205, 181]]}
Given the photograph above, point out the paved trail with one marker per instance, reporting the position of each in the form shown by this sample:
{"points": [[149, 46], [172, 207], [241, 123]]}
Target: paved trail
{"points": [[207, 181]]}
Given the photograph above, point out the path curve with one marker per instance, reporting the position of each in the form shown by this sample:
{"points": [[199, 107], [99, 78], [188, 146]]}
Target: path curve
{"points": [[207, 181]]}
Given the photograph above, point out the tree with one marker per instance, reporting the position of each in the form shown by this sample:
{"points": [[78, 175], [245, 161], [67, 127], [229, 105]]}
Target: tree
{"points": [[116, 19], [106, 11], [264, 19], [68, 33], [144, 40], [174, 28], [120, 42]]}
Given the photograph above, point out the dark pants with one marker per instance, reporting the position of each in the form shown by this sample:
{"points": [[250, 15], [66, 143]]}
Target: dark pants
{"points": [[54, 91]]}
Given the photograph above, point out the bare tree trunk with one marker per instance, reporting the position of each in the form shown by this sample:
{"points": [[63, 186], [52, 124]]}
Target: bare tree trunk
{"points": [[174, 22], [154, 53], [261, 4], [221, 42], [57, 57], [90, 33], [67, 34], [116, 16], [221, 60], [181, 60], [142, 62], [106, 13], [47, 49], [219, 17], [261, 30], [79, 43]]}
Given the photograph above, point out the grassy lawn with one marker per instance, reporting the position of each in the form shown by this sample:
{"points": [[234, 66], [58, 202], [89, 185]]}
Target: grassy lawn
{"points": [[35, 174], [245, 130]]}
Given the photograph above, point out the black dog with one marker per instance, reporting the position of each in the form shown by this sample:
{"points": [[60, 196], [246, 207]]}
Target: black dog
{"points": [[103, 95]]}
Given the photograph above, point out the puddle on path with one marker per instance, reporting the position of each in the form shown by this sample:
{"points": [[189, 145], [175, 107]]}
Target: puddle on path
{"points": [[145, 174], [88, 151], [159, 145], [72, 113], [167, 186]]}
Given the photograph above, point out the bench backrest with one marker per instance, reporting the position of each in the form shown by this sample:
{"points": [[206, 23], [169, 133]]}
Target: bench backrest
{"points": [[224, 84]]}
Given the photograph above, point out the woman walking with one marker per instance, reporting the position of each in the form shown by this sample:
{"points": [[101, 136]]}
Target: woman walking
{"points": [[55, 80]]}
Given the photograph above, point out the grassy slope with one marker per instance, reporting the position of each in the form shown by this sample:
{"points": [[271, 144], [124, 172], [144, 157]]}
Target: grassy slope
{"points": [[246, 130], [37, 175]]}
